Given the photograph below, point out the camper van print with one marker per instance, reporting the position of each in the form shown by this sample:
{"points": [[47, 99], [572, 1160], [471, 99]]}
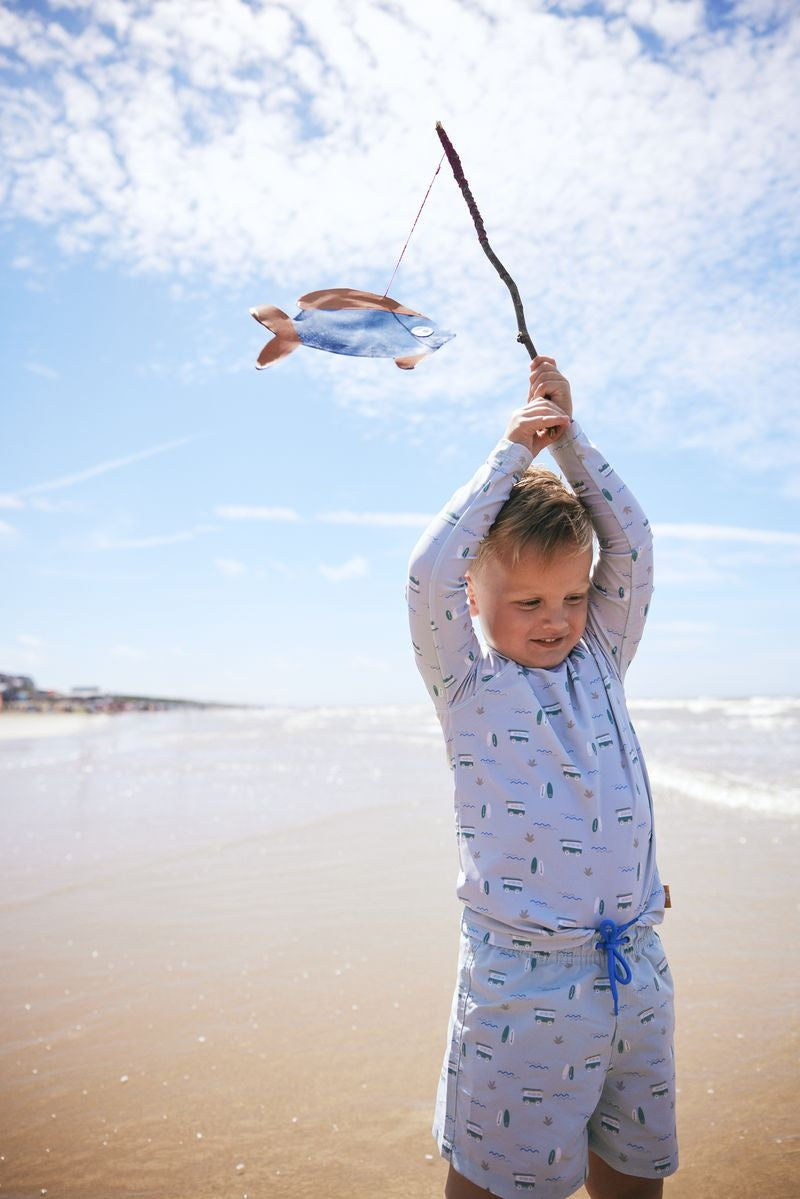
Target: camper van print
{"points": [[524, 1182], [544, 1015], [552, 709], [521, 942], [497, 978], [515, 807], [452, 1065], [474, 1130], [466, 761], [512, 884], [593, 1063], [659, 1089], [413, 584], [569, 771], [483, 1051], [468, 832], [624, 901], [605, 470], [609, 1123], [563, 923], [600, 984], [605, 741], [624, 815], [663, 966], [519, 736], [662, 1164], [647, 1016], [571, 848], [532, 1095]]}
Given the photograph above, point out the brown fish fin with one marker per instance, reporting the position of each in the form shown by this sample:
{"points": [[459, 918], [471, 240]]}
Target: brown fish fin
{"points": [[285, 339], [349, 297], [408, 363], [269, 316]]}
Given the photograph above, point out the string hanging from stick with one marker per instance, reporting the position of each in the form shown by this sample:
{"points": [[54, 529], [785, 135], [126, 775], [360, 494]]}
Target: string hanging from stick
{"points": [[458, 171], [413, 227]]}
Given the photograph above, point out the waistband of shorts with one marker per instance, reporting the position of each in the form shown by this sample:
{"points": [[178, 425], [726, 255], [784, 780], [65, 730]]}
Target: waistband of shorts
{"points": [[542, 943]]}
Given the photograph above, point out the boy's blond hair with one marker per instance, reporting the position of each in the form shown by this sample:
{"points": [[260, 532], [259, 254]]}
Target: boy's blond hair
{"points": [[540, 515]]}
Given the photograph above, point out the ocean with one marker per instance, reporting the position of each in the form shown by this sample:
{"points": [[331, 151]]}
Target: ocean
{"points": [[149, 786]]}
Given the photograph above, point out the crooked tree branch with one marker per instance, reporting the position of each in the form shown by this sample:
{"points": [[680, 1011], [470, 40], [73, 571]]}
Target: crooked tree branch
{"points": [[458, 171]]}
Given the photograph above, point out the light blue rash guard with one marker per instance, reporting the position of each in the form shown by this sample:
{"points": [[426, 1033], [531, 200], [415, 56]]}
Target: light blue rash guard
{"points": [[554, 814]]}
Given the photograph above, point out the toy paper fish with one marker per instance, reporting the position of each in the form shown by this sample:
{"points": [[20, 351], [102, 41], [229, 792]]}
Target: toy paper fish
{"points": [[344, 321]]}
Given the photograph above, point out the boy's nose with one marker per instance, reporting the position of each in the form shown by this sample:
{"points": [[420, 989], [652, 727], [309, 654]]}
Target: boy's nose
{"points": [[555, 622]]}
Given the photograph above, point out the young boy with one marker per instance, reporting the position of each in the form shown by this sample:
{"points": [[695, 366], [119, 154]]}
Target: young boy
{"points": [[559, 1064]]}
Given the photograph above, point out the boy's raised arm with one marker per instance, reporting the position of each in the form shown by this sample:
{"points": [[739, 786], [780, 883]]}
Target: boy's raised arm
{"points": [[622, 576], [448, 653], [447, 650]]}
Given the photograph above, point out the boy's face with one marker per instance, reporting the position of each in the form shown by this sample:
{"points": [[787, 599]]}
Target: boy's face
{"points": [[534, 612]]}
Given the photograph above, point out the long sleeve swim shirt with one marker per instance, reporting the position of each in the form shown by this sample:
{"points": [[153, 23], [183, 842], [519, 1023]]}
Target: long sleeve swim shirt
{"points": [[553, 808]]}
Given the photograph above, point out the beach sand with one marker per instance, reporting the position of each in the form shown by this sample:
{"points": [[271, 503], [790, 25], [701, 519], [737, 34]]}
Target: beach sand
{"points": [[268, 1018], [27, 725]]}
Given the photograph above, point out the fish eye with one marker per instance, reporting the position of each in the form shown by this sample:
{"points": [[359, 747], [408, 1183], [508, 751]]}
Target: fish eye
{"points": [[422, 330]]}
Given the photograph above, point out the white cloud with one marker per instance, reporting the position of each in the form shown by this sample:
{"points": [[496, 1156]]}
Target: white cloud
{"points": [[391, 520], [39, 368], [243, 512], [102, 468], [726, 533], [353, 568], [30, 640], [646, 203], [230, 567], [7, 531], [102, 542], [129, 652]]}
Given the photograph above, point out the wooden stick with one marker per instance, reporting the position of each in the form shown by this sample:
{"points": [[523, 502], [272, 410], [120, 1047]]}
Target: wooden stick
{"points": [[458, 171]]}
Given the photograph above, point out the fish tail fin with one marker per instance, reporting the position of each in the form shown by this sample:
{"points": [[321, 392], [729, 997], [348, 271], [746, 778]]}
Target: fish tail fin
{"points": [[285, 339], [269, 316]]}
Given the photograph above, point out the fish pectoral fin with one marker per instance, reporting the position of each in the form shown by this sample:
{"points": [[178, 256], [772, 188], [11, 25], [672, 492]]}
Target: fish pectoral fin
{"points": [[348, 297], [270, 317], [408, 363]]}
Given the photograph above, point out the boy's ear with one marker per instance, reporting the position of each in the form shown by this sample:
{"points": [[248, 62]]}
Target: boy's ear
{"points": [[471, 600]]}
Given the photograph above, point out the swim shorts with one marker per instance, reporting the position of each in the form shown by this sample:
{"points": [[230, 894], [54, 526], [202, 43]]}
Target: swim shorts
{"points": [[539, 1069]]}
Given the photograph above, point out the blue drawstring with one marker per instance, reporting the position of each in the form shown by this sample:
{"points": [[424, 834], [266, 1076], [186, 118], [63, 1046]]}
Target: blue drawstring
{"points": [[611, 941]]}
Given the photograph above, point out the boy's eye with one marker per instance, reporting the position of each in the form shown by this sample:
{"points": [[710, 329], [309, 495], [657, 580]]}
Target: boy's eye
{"points": [[575, 599], [532, 603]]}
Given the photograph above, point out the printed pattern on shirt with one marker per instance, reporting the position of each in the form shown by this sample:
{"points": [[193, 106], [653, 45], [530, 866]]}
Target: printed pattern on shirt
{"points": [[553, 807]]}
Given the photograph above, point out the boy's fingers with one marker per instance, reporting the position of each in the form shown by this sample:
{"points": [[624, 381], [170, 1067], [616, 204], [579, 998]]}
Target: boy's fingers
{"points": [[540, 359]]}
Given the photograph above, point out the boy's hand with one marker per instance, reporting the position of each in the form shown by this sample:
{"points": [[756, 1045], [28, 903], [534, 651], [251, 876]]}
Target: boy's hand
{"points": [[547, 383], [539, 423]]}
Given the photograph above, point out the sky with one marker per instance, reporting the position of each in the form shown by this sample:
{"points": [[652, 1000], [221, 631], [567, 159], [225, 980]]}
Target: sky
{"points": [[174, 522]]}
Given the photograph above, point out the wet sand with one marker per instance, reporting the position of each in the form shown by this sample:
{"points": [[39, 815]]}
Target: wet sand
{"points": [[267, 1018]]}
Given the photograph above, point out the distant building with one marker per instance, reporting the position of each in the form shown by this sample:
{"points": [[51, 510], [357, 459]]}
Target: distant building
{"points": [[15, 687]]}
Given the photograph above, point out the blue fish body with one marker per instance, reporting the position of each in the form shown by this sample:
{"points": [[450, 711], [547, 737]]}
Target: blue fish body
{"points": [[368, 332], [343, 320]]}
